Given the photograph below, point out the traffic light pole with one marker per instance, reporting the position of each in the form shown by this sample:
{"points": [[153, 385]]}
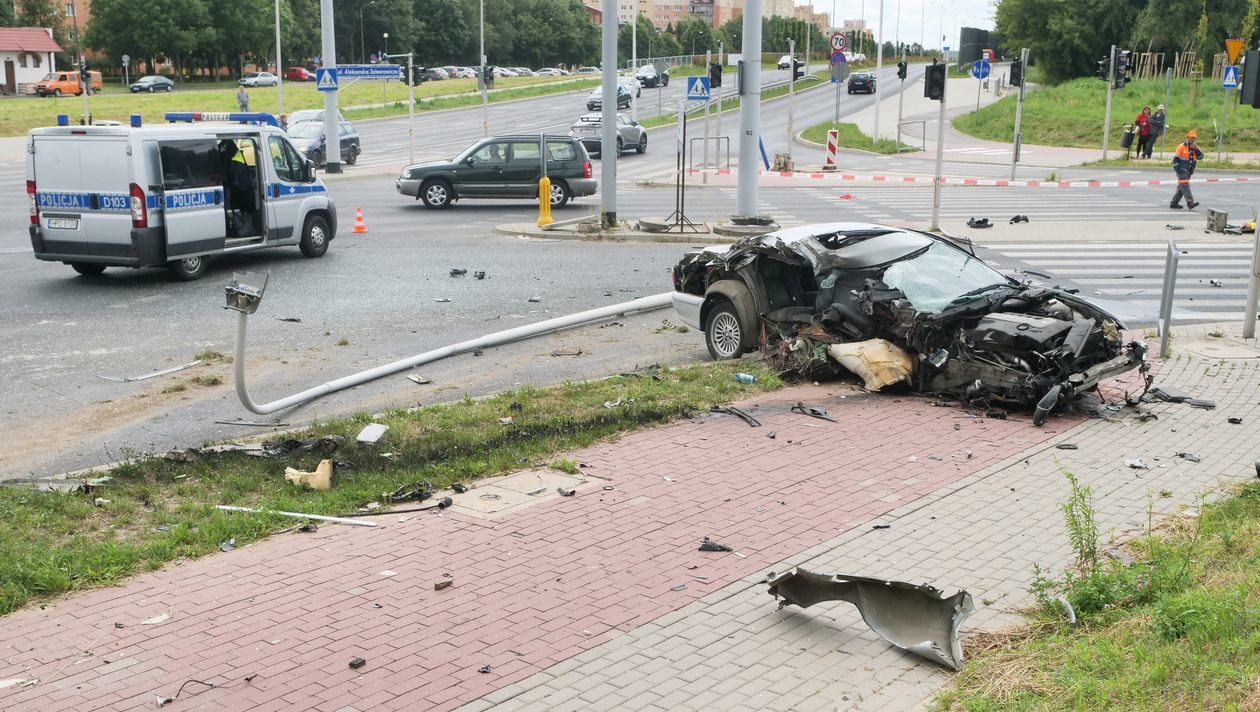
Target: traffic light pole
{"points": [[1019, 109], [332, 127], [1111, 83], [708, 64], [719, 104], [791, 89], [879, 68], [749, 111], [901, 95], [940, 158]]}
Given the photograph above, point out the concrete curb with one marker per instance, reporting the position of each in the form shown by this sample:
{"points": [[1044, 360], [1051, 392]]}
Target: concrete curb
{"points": [[533, 231]]}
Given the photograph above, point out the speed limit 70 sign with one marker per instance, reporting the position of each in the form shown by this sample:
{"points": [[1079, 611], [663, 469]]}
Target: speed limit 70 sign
{"points": [[839, 42]]}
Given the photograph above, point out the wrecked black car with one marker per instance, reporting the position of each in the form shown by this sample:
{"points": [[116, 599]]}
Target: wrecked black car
{"points": [[894, 305]]}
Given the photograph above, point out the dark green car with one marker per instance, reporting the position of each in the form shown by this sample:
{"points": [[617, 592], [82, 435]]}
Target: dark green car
{"points": [[502, 167]]}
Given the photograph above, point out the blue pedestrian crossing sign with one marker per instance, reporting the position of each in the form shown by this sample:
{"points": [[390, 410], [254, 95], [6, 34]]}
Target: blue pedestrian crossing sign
{"points": [[1230, 80], [326, 79], [697, 88], [980, 69]]}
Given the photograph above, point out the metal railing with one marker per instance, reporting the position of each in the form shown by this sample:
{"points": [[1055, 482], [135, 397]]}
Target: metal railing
{"points": [[922, 133], [721, 141]]}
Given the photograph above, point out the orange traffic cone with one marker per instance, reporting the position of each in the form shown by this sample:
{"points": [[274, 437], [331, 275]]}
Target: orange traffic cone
{"points": [[358, 221]]}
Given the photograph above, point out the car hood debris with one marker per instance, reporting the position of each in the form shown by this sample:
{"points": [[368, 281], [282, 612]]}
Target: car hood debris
{"points": [[904, 306]]}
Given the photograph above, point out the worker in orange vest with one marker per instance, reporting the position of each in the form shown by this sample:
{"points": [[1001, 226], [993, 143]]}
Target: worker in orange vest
{"points": [[1184, 161]]}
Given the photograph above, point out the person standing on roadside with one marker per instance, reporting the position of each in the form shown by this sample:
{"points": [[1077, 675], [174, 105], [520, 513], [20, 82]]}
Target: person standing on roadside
{"points": [[1143, 125], [242, 98], [1184, 161], [1158, 123]]}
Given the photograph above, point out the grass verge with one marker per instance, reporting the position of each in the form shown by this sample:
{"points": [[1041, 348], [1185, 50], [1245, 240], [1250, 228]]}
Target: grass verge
{"points": [[1071, 114], [1225, 164], [852, 137], [157, 510], [732, 102], [1176, 629]]}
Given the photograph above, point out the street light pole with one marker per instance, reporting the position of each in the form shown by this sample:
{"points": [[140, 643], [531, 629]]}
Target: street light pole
{"points": [[608, 110], [485, 99], [279, 69], [749, 111], [879, 67], [362, 44], [634, 55], [332, 133]]}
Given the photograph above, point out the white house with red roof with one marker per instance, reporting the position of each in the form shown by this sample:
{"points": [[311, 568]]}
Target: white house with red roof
{"points": [[26, 55]]}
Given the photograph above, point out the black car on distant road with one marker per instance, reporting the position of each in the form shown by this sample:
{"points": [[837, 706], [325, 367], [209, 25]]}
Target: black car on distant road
{"points": [[862, 82], [152, 83]]}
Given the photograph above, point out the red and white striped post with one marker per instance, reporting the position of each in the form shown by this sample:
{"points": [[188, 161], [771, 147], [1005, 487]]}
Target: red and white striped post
{"points": [[833, 141]]}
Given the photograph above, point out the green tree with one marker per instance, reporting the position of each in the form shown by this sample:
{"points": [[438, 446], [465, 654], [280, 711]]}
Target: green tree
{"points": [[731, 34], [299, 30], [1249, 22], [445, 33], [148, 31], [1066, 36], [695, 36], [8, 16]]}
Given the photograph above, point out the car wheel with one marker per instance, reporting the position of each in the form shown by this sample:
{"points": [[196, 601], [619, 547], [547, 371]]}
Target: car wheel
{"points": [[188, 269], [620, 146], [314, 241], [87, 268], [151, 90], [642, 147], [723, 333], [560, 194], [436, 194], [317, 157], [168, 89], [353, 156], [56, 93]]}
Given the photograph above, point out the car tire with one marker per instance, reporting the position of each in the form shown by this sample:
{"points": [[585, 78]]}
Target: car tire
{"points": [[151, 90], [723, 332], [353, 156], [620, 146], [642, 146], [436, 194], [189, 269], [87, 269], [168, 90], [315, 237], [317, 157], [56, 93], [560, 194]]}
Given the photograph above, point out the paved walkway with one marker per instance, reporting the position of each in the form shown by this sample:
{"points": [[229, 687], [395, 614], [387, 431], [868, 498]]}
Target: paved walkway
{"points": [[601, 601]]}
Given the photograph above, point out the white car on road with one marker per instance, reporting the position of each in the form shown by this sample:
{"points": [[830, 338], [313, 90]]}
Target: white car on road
{"points": [[259, 79]]}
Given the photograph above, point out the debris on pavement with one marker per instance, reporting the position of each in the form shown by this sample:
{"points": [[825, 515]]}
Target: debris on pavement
{"points": [[741, 414], [710, 545], [679, 587], [325, 445], [155, 374], [417, 492], [915, 618], [159, 618], [812, 412], [320, 479], [566, 492], [357, 663], [1216, 283], [1166, 393], [1146, 417], [19, 682], [979, 223], [317, 517], [1170, 226], [100, 501], [1202, 403], [442, 300], [479, 274], [290, 319], [1019, 219], [371, 433], [1136, 463], [458, 272], [878, 362], [485, 668], [444, 583], [252, 423], [459, 488], [229, 545], [742, 377], [881, 526], [1192, 457], [163, 701], [567, 352], [1235, 421], [418, 380], [534, 299], [1068, 446]]}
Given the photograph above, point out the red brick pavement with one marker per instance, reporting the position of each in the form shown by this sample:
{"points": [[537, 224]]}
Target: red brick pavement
{"points": [[530, 589]]}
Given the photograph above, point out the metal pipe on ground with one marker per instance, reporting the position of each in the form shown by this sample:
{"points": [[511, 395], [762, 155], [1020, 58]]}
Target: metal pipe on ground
{"points": [[498, 338]]}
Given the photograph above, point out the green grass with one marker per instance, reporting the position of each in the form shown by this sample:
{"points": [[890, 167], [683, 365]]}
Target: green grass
{"points": [[732, 102], [1071, 114], [160, 510], [116, 103], [1208, 162], [1176, 630], [851, 136]]}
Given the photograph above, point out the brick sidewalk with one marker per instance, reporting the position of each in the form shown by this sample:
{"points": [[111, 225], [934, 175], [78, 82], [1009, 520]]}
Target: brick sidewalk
{"points": [[572, 602]]}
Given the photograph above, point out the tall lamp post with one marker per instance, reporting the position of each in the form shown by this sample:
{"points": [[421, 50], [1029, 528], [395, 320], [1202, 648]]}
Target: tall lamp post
{"points": [[362, 48], [279, 69], [385, 35]]}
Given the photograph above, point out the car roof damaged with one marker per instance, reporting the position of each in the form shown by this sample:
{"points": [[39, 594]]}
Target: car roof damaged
{"points": [[897, 306]]}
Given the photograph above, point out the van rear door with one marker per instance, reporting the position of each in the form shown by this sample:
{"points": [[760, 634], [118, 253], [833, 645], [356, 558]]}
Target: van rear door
{"points": [[192, 184], [83, 197]]}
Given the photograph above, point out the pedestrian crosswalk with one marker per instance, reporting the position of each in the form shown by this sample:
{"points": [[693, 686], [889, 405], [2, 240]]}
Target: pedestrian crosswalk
{"points": [[1211, 282], [999, 204]]}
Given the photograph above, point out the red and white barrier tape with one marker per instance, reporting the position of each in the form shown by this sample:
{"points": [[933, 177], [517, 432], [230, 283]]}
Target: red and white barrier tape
{"points": [[892, 180]]}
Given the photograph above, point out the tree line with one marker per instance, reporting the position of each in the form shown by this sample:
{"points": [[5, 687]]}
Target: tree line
{"points": [[1068, 37]]}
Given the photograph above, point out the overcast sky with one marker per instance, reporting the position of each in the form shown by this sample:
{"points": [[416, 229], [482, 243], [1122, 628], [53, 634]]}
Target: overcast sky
{"points": [[919, 18]]}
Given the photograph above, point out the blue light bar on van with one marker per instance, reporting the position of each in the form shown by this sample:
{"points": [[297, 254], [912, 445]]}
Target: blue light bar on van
{"points": [[63, 119], [253, 117], [135, 121]]}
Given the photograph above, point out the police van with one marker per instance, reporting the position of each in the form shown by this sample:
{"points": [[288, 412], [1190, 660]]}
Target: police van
{"points": [[173, 194]]}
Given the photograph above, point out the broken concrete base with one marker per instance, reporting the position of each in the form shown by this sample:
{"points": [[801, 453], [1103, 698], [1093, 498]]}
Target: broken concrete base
{"points": [[664, 225], [733, 230], [532, 231]]}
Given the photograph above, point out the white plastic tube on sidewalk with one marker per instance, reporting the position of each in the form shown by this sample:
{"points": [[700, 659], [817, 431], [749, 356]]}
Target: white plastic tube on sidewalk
{"points": [[498, 338]]}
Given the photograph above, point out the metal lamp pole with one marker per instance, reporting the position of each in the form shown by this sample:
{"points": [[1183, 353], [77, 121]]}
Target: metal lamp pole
{"points": [[1019, 109], [362, 45], [634, 56], [332, 161], [485, 99], [279, 69], [879, 66], [749, 111]]}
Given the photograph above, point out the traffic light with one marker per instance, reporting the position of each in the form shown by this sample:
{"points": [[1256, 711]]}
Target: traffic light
{"points": [[418, 76], [798, 69], [487, 77], [934, 81], [1124, 68], [1017, 73], [715, 75], [1250, 83], [901, 70], [1104, 72]]}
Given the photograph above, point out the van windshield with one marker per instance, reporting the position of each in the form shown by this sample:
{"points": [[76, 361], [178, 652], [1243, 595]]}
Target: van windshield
{"points": [[50, 77]]}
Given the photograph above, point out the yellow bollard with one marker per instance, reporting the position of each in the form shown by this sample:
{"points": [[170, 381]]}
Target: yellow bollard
{"points": [[544, 202]]}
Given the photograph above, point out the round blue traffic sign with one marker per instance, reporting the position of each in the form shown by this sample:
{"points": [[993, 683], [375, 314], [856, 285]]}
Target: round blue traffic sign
{"points": [[981, 68], [837, 58]]}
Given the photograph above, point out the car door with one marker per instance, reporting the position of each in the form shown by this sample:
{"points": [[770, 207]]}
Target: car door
{"points": [[192, 197], [625, 127], [286, 188], [524, 169], [482, 172]]}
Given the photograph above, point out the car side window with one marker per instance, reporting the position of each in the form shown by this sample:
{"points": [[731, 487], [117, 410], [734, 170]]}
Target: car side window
{"points": [[490, 153], [523, 151], [623, 120], [285, 159], [561, 151]]}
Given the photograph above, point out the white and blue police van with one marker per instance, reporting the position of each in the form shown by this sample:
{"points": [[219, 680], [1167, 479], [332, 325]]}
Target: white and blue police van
{"points": [[174, 194]]}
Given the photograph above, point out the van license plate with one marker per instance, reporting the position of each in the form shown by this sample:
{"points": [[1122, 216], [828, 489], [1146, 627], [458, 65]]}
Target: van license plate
{"points": [[63, 223]]}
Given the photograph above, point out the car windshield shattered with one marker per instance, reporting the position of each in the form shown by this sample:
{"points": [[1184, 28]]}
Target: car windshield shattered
{"points": [[896, 306]]}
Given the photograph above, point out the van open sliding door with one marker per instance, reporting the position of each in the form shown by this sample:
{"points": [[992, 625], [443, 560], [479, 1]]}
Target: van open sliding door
{"points": [[193, 195]]}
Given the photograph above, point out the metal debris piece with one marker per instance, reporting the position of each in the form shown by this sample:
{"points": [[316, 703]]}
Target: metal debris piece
{"points": [[566, 492], [478, 352], [535, 492], [881, 526], [741, 414], [229, 545], [357, 663], [979, 223], [459, 488], [1146, 417], [100, 501], [1202, 403], [1174, 227], [1216, 283], [1068, 446], [710, 545], [371, 433], [290, 319], [159, 618], [252, 423], [679, 587], [155, 374], [1235, 421], [1192, 457], [458, 272], [418, 380], [1136, 463], [812, 412], [442, 300], [317, 517], [479, 274], [444, 583], [485, 668], [567, 352], [771, 434], [915, 618], [1168, 393], [1019, 219], [19, 682], [535, 299], [308, 527]]}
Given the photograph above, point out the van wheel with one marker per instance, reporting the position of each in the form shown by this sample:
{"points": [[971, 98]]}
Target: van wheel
{"points": [[353, 156], [560, 194], [189, 269], [437, 194], [56, 93], [723, 333], [87, 268], [314, 237]]}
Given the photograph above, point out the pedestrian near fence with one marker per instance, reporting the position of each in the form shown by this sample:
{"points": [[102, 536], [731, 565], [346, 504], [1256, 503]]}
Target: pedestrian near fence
{"points": [[1143, 125], [1184, 161], [1158, 123]]}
